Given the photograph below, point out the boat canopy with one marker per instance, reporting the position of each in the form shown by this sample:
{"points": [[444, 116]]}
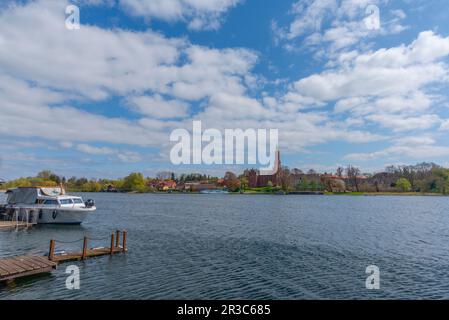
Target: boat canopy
{"points": [[30, 195]]}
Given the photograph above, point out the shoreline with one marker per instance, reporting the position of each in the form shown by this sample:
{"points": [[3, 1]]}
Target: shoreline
{"points": [[296, 193]]}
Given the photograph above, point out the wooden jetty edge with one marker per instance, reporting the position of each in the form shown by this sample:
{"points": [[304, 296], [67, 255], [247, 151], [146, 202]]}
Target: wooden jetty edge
{"points": [[16, 267], [15, 224], [23, 266], [86, 253]]}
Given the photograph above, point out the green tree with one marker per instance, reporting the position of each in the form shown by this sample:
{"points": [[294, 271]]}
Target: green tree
{"points": [[403, 185], [134, 182], [303, 184], [441, 180], [244, 183], [92, 186]]}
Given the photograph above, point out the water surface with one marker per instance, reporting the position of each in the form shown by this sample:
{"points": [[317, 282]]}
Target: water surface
{"points": [[248, 247]]}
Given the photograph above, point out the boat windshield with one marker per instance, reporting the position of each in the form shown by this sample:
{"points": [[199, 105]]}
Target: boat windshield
{"points": [[66, 201], [51, 202], [77, 200]]}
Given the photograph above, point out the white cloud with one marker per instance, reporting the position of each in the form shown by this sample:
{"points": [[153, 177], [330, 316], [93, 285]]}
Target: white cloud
{"points": [[129, 157], [337, 24], [94, 150], [400, 123], [212, 71], [38, 84], [123, 156], [419, 148], [387, 86], [199, 14], [96, 63], [156, 106]]}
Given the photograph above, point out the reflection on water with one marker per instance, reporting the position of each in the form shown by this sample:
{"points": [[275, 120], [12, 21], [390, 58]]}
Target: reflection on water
{"points": [[249, 247]]}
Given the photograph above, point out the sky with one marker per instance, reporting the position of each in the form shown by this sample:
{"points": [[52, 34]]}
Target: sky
{"points": [[102, 100]]}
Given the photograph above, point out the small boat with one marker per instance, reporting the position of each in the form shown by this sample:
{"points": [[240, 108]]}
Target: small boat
{"points": [[44, 205]]}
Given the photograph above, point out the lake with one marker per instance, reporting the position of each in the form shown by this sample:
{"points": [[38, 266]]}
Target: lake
{"points": [[248, 247]]}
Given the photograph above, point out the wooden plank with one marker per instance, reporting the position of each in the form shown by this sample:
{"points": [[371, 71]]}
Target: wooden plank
{"points": [[5, 267], [10, 267], [35, 261], [27, 273], [22, 266], [3, 272], [44, 260], [25, 264], [13, 224], [15, 266], [91, 253], [30, 261]]}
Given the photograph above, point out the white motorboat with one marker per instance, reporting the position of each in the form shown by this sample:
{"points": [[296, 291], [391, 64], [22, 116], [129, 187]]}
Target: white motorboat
{"points": [[43, 205]]}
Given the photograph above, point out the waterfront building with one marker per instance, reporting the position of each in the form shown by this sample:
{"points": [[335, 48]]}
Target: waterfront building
{"points": [[199, 186], [255, 179]]}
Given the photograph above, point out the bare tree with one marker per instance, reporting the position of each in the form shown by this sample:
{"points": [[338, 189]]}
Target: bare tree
{"points": [[164, 175], [353, 174], [285, 179], [340, 171]]}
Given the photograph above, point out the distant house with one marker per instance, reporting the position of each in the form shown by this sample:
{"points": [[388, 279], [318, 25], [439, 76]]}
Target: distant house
{"points": [[111, 188], [166, 185], [333, 183], [199, 186], [163, 185]]}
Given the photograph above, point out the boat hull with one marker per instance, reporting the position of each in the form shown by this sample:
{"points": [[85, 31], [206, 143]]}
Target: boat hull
{"points": [[63, 216], [52, 215]]}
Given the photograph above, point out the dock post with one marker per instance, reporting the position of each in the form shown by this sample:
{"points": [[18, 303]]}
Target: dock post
{"points": [[51, 251], [124, 240], [112, 244], [84, 249], [117, 239]]}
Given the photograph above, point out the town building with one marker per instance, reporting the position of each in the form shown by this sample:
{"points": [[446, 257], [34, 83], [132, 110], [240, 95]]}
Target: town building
{"points": [[256, 180]]}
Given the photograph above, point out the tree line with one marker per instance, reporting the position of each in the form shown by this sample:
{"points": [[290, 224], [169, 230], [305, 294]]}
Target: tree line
{"points": [[420, 178]]}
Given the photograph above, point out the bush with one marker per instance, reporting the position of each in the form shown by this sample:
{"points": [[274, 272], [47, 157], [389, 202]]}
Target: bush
{"points": [[403, 185]]}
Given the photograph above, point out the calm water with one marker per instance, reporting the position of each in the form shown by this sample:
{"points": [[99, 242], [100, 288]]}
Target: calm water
{"points": [[249, 247]]}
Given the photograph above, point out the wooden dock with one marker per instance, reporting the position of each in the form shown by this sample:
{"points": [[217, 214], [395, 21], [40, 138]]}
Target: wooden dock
{"points": [[23, 266], [15, 267], [114, 248], [5, 225]]}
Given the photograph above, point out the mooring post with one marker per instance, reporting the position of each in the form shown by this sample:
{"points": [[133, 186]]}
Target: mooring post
{"points": [[112, 244], [84, 257], [124, 240], [117, 239], [51, 251]]}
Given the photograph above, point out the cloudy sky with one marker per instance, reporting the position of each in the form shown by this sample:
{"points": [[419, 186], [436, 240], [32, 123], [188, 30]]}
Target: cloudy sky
{"points": [[101, 101]]}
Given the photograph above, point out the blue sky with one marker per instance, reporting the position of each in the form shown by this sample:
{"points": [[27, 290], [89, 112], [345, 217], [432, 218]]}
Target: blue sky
{"points": [[101, 101]]}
